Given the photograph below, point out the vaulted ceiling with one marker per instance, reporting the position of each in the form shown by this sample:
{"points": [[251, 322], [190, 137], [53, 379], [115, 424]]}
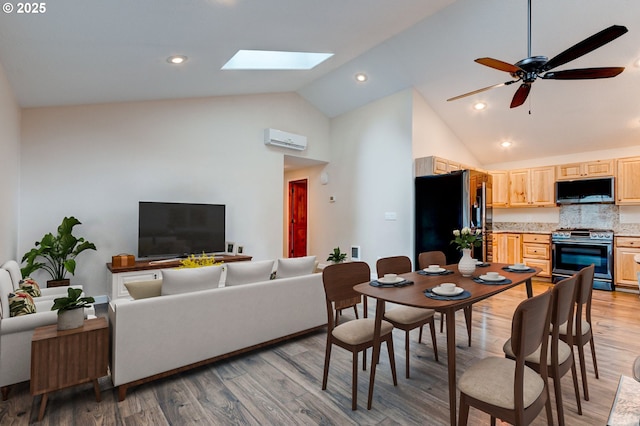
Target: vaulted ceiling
{"points": [[98, 51]]}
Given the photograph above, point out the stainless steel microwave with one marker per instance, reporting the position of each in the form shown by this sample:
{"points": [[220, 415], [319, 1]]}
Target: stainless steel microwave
{"points": [[585, 191]]}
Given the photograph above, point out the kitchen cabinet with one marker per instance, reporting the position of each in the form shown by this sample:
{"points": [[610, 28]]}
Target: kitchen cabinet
{"points": [[587, 169], [534, 187], [500, 188], [536, 251], [507, 248], [427, 166], [628, 181], [626, 273]]}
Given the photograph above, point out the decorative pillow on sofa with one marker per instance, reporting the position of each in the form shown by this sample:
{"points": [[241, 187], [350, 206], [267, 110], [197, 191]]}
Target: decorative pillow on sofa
{"points": [[248, 272], [144, 289], [295, 266], [185, 280], [21, 303], [29, 285]]}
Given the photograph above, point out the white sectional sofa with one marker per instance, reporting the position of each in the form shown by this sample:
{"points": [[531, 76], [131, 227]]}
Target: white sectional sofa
{"points": [[157, 336]]}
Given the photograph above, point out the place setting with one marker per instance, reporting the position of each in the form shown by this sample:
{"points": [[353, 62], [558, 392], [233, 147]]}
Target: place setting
{"points": [[435, 270], [518, 268], [481, 264], [447, 291], [390, 280], [493, 278]]}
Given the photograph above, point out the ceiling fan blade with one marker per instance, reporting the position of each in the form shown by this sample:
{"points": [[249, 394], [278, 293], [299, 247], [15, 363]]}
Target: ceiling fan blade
{"points": [[499, 65], [585, 46], [484, 89], [583, 73], [521, 95]]}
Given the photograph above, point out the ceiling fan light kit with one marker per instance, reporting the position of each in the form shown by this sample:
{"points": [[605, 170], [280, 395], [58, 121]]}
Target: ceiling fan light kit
{"points": [[527, 70]]}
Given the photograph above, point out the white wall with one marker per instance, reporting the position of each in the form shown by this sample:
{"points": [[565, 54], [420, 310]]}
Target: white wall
{"points": [[9, 170], [431, 136], [96, 162]]}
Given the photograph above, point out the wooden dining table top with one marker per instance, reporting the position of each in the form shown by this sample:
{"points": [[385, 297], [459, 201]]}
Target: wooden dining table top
{"points": [[413, 295]]}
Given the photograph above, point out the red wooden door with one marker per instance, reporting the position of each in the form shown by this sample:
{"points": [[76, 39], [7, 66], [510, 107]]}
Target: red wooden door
{"points": [[298, 218]]}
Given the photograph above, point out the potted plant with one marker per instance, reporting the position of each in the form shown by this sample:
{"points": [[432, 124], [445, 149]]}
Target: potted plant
{"points": [[71, 309], [337, 256], [57, 253]]}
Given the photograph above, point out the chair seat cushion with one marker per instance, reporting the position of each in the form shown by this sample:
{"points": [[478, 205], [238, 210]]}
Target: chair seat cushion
{"points": [[408, 314], [359, 331], [492, 379], [585, 328], [564, 352]]}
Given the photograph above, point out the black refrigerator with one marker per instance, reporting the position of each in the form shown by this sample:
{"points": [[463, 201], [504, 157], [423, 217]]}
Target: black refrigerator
{"points": [[452, 201]]}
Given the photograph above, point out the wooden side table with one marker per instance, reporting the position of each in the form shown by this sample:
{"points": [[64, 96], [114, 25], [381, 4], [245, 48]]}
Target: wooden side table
{"points": [[61, 359]]}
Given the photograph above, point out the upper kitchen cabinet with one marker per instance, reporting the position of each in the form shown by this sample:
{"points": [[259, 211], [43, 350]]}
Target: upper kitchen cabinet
{"points": [[588, 169], [628, 181], [427, 166], [532, 187], [500, 188]]}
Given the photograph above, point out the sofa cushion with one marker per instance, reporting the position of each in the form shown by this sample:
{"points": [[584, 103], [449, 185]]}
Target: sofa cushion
{"points": [[248, 272], [295, 266], [144, 289], [29, 285], [21, 303], [185, 280]]}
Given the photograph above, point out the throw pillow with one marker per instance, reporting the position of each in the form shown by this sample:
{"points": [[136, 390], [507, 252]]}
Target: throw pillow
{"points": [[248, 272], [185, 280], [295, 266], [21, 303], [29, 285], [144, 289]]}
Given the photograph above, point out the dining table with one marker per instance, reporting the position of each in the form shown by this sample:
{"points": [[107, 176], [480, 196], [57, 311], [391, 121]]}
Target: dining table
{"points": [[417, 289]]}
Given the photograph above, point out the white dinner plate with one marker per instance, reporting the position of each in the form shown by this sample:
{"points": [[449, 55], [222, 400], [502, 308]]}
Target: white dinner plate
{"points": [[434, 271], [518, 268], [488, 278], [393, 281], [441, 292]]}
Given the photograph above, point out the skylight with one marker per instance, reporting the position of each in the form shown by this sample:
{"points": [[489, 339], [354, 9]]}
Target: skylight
{"points": [[274, 60]]}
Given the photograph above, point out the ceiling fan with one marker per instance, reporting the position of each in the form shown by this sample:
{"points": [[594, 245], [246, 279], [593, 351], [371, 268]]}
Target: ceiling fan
{"points": [[529, 69]]}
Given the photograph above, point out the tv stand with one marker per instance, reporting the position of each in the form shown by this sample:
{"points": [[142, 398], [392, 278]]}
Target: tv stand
{"points": [[146, 270]]}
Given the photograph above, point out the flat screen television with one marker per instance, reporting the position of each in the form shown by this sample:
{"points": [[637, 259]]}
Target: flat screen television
{"points": [[180, 229]]}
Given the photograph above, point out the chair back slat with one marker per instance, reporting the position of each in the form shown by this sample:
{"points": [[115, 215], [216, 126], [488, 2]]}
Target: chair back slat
{"points": [[339, 279], [393, 265], [530, 325], [427, 258]]}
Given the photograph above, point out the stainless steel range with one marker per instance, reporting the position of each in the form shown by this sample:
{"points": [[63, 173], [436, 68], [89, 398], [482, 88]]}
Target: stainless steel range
{"points": [[574, 249]]}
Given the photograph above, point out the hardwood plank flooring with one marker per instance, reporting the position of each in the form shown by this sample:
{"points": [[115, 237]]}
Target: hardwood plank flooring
{"points": [[281, 384]]}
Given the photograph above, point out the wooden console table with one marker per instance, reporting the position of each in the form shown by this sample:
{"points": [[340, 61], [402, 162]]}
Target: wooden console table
{"points": [[60, 359], [150, 270]]}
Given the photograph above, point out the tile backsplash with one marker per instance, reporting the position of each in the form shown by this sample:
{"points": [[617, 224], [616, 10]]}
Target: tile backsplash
{"points": [[596, 216]]}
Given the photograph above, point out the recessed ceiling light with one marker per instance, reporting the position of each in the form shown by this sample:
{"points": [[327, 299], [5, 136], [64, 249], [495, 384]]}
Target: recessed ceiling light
{"points": [[505, 144], [177, 59], [361, 77], [274, 60], [479, 106]]}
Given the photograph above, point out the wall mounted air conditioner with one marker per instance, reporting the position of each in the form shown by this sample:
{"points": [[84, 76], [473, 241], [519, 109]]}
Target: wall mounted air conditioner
{"points": [[284, 139]]}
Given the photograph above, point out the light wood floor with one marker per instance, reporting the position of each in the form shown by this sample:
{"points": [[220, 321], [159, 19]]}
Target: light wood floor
{"points": [[281, 384]]}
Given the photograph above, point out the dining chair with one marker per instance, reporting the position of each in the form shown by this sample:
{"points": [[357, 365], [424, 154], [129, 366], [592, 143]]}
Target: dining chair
{"points": [[406, 317], [436, 257], [355, 335], [582, 325], [560, 354], [506, 388]]}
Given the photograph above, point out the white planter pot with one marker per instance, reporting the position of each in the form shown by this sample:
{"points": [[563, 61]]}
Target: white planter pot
{"points": [[70, 319], [467, 265]]}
